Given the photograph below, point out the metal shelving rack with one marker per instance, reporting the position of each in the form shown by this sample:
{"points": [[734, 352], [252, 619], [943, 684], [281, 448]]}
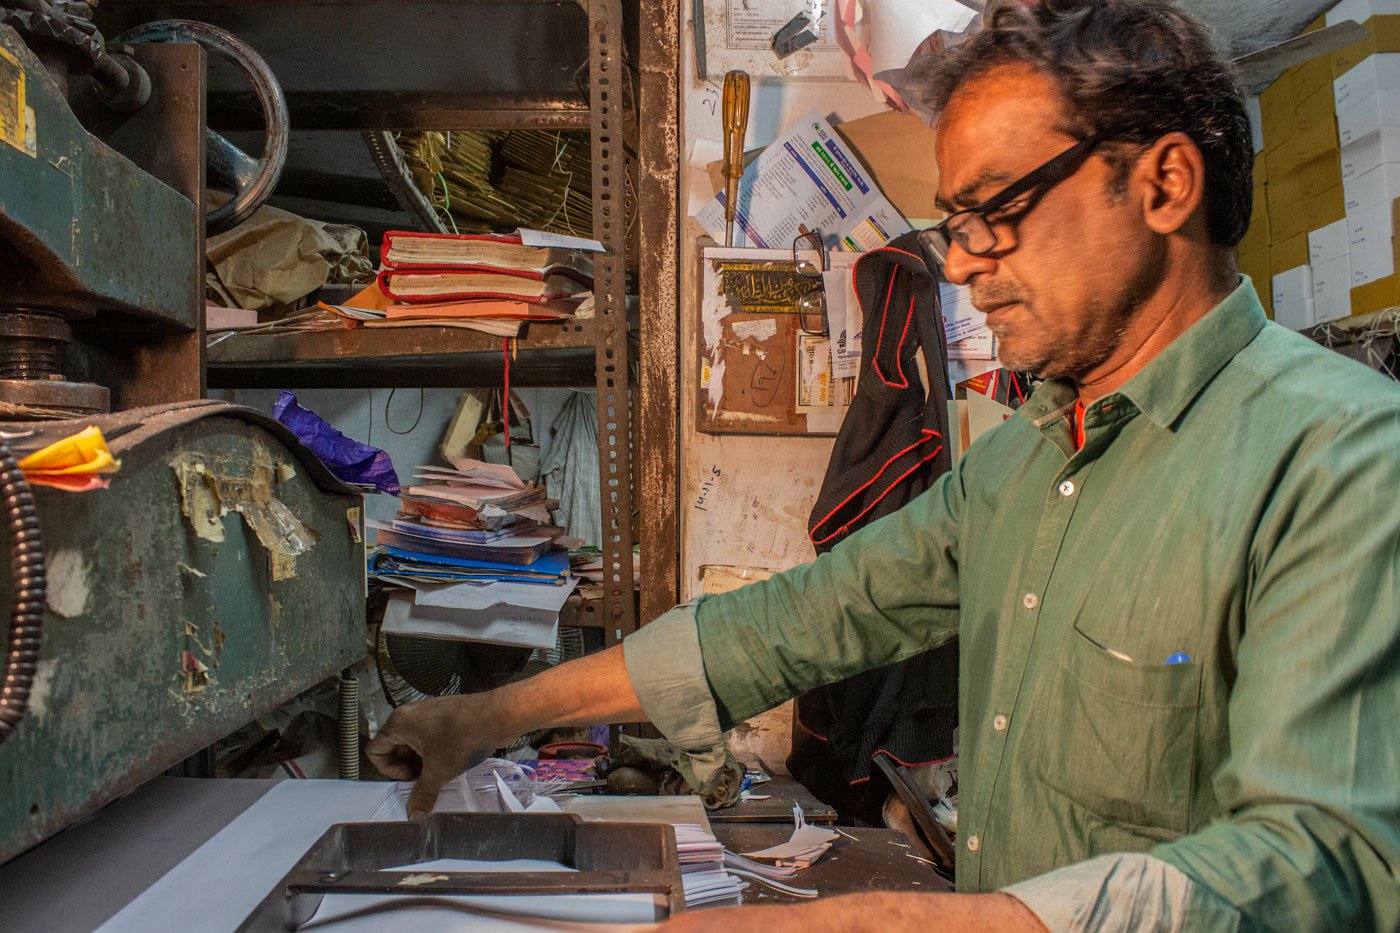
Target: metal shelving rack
{"points": [[362, 65]]}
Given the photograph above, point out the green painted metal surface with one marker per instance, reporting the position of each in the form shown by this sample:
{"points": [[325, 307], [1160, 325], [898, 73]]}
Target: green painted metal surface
{"points": [[90, 231], [138, 589]]}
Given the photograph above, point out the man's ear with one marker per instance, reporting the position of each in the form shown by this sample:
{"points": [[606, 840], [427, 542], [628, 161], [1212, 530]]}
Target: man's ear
{"points": [[1172, 176]]}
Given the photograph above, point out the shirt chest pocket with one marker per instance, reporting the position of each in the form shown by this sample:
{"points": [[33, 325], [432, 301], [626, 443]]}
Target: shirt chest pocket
{"points": [[1118, 737]]}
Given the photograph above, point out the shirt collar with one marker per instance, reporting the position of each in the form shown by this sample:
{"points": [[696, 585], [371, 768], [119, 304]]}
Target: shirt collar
{"points": [[1164, 388]]}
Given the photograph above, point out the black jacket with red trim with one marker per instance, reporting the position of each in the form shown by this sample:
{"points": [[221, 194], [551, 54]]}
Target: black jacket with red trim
{"points": [[891, 447]]}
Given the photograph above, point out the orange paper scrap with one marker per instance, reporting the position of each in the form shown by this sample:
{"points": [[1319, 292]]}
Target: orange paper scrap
{"points": [[75, 463]]}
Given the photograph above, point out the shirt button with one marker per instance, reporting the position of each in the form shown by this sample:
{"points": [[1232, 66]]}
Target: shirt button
{"points": [[1029, 600], [999, 723], [1067, 488], [973, 843]]}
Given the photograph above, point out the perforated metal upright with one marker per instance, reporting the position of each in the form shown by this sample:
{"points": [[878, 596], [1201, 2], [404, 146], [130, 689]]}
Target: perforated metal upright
{"points": [[608, 111]]}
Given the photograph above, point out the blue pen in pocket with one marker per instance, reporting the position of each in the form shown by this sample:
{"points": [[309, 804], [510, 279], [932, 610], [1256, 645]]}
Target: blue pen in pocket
{"points": [[1181, 657]]}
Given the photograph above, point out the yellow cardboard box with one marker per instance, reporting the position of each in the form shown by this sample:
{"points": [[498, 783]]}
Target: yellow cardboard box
{"points": [[1376, 296], [1288, 254], [1310, 77], [1385, 37], [1277, 113], [1319, 138], [1317, 109], [1326, 207], [1319, 174]]}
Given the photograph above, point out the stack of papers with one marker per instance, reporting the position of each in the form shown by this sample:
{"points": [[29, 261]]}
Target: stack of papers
{"points": [[707, 884], [506, 612]]}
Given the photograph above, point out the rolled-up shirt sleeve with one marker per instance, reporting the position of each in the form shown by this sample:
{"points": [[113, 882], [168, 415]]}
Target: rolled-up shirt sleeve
{"points": [[668, 675], [1123, 891]]}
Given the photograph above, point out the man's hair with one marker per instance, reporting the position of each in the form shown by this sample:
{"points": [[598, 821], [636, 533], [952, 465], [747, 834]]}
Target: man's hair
{"points": [[1133, 70]]}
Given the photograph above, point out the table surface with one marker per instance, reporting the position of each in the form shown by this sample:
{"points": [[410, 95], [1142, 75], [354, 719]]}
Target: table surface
{"points": [[131, 843], [859, 860], [782, 793]]}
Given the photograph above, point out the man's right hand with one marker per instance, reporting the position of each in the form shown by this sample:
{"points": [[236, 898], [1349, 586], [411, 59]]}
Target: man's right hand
{"points": [[433, 741], [436, 740]]}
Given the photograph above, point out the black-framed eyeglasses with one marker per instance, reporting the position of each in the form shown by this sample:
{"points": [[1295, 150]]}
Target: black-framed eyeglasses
{"points": [[811, 305], [972, 227]]}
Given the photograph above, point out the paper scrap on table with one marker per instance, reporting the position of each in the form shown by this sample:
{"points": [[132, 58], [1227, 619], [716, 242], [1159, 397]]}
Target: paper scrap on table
{"points": [[558, 240], [807, 844], [808, 177], [75, 463]]}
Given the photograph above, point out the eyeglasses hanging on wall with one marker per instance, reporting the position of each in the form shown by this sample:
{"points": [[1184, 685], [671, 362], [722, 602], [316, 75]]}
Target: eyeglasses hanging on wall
{"points": [[811, 306]]}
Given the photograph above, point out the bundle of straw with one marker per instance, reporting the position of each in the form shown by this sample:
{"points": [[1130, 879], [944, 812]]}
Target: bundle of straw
{"points": [[482, 180]]}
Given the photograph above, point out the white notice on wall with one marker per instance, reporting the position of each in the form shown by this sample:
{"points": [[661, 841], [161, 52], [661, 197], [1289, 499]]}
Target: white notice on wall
{"points": [[807, 177]]}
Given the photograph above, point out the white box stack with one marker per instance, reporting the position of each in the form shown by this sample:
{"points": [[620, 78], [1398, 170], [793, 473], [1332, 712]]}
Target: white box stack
{"points": [[1294, 305]]}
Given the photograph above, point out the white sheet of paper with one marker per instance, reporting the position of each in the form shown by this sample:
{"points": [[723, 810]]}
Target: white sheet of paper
{"points": [[501, 624], [844, 314], [500, 593], [543, 238], [965, 327], [247, 857], [898, 26], [807, 176]]}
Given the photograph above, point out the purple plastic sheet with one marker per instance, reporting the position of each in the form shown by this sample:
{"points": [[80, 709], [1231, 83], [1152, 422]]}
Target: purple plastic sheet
{"points": [[347, 458]]}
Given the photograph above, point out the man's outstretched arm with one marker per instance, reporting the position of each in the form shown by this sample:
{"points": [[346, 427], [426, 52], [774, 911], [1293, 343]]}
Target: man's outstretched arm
{"points": [[435, 740]]}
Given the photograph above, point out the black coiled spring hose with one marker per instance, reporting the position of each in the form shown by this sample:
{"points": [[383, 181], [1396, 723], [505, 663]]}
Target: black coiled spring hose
{"points": [[27, 579]]}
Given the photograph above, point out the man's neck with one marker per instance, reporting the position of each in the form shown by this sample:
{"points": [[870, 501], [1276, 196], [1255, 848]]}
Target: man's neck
{"points": [[1166, 314]]}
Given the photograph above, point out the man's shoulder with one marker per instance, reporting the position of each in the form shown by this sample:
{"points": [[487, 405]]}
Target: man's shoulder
{"points": [[1306, 382]]}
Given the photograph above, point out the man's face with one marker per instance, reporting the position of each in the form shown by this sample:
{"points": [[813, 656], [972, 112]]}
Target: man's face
{"points": [[1068, 273]]}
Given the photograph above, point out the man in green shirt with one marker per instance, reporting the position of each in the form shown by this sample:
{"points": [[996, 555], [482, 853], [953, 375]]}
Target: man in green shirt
{"points": [[1175, 572]]}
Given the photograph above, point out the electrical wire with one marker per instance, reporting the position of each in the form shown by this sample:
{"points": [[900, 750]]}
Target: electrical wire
{"points": [[422, 401], [30, 588]]}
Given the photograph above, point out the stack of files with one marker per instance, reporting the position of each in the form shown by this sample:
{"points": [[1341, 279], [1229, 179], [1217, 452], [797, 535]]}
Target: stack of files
{"points": [[503, 612], [450, 275], [472, 521], [502, 317]]}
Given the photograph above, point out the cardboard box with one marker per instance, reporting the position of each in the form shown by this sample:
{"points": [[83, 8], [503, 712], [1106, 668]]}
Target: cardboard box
{"points": [[1318, 134], [1277, 113], [1371, 74], [1295, 314], [1327, 243], [1288, 254], [1292, 285], [1310, 77], [1325, 208], [1369, 151], [1292, 223], [1379, 186], [1369, 241], [1258, 237], [1376, 296], [1331, 278], [1317, 110], [1331, 309], [1385, 37], [1318, 174], [1368, 115]]}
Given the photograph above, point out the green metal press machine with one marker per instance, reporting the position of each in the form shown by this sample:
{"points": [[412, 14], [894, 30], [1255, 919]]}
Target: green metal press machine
{"points": [[221, 572]]}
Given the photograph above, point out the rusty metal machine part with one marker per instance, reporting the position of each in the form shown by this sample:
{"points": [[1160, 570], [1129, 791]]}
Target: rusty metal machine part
{"points": [[63, 34], [253, 180]]}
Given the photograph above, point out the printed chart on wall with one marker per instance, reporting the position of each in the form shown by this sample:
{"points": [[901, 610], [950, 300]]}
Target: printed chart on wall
{"points": [[761, 370]]}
